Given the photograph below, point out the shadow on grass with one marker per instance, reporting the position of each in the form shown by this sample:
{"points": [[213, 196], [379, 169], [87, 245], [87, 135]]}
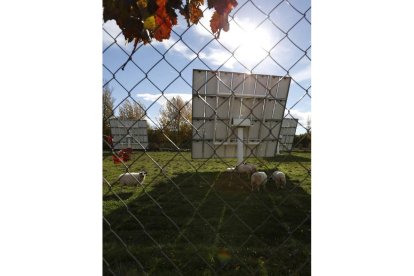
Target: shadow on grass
{"points": [[287, 158], [207, 224], [124, 195]]}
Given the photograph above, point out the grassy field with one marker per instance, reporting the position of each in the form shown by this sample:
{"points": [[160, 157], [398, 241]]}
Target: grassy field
{"points": [[195, 218]]}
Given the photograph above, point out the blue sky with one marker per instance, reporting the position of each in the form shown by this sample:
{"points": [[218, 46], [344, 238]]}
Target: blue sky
{"points": [[259, 44]]}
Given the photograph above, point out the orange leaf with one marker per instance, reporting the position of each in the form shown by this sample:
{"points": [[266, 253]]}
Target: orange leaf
{"points": [[224, 21], [219, 22], [195, 12], [224, 6], [162, 21], [215, 22]]}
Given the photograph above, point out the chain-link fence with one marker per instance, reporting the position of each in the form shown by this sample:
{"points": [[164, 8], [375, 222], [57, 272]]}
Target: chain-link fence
{"points": [[192, 215]]}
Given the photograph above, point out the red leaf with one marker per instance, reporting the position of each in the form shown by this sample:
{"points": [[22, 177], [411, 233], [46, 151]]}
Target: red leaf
{"points": [[219, 22], [163, 21], [215, 22], [220, 19]]}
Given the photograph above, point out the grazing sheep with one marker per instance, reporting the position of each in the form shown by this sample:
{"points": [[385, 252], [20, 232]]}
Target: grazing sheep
{"points": [[246, 168], [258, 179], [279, 178], [132, 178]]}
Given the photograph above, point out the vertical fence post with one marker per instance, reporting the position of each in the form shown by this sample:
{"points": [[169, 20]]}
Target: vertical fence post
{"points": [[240, 146]]}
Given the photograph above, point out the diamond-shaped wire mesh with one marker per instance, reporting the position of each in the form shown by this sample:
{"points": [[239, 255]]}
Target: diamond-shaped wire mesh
{"points": [[190, 216]]}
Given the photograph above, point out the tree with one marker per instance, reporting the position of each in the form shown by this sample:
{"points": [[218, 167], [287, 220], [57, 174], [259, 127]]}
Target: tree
{"points": [[303, 141], [175, 121], [155, 138], [309, 123], [131, 111], [107, 109], [174, 114]]}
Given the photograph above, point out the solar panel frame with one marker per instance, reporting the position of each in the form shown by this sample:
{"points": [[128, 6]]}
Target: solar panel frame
{"points": [[129, 133], [221, 96], [288, 131]]}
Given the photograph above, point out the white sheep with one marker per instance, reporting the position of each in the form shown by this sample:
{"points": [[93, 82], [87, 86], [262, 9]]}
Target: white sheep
{"points": [[246, 168], [132, 178], [279, 178], [258, 179]]}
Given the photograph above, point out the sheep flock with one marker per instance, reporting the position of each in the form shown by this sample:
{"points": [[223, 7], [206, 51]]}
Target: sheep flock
{"points": [[258, 179]]}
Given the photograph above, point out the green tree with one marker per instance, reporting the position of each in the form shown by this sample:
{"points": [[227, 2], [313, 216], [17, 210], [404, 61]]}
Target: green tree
{"points": [[303, 141], [156, 138]]}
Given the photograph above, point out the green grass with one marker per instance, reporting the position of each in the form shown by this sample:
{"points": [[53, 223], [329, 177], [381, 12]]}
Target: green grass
{"points": [[199, 219]]}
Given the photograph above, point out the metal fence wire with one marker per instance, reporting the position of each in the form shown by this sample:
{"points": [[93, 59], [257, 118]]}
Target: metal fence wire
{"points": [[189, 215]]}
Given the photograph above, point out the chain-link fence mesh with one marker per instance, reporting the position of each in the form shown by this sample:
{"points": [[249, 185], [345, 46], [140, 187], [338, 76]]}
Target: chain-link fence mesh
{"points": [[191, 216]]}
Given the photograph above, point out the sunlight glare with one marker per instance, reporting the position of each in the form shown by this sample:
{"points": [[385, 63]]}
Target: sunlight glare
{"points": [[252, 43]]}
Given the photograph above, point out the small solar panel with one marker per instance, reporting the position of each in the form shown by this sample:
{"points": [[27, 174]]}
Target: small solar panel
{"points": [[129, 133], [287, 133]]}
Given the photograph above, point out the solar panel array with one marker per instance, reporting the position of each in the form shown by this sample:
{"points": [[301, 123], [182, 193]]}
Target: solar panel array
{"points": [[129, 133], [287, 133], [219, 97]]}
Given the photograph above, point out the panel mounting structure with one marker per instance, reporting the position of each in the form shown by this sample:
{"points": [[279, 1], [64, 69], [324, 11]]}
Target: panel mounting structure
{"points": [[232, 108], [129, 133], [287, 134]]}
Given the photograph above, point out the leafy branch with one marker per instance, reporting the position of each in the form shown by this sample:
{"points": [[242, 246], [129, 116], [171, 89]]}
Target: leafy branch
{"points": [[145, 20]]}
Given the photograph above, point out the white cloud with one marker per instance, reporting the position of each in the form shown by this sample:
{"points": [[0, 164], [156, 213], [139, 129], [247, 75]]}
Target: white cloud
{"points": [[151, 97], [204, 21], [177, 47], [218, 57], [301, 116], [302, 75], [110, 32]]}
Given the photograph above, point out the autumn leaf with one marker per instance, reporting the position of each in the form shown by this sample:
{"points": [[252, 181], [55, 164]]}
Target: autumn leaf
{"points": [[192, 12], [195, 12], [149, 23], [220, 19], [142, 4], [222, 6], [215, 22], [163, 21], [219, 22], [144, 20]]}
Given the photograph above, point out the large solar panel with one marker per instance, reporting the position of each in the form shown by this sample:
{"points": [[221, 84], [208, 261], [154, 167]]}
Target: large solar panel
{"points": [[129, 133], [221, 97], [287, 134]]}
